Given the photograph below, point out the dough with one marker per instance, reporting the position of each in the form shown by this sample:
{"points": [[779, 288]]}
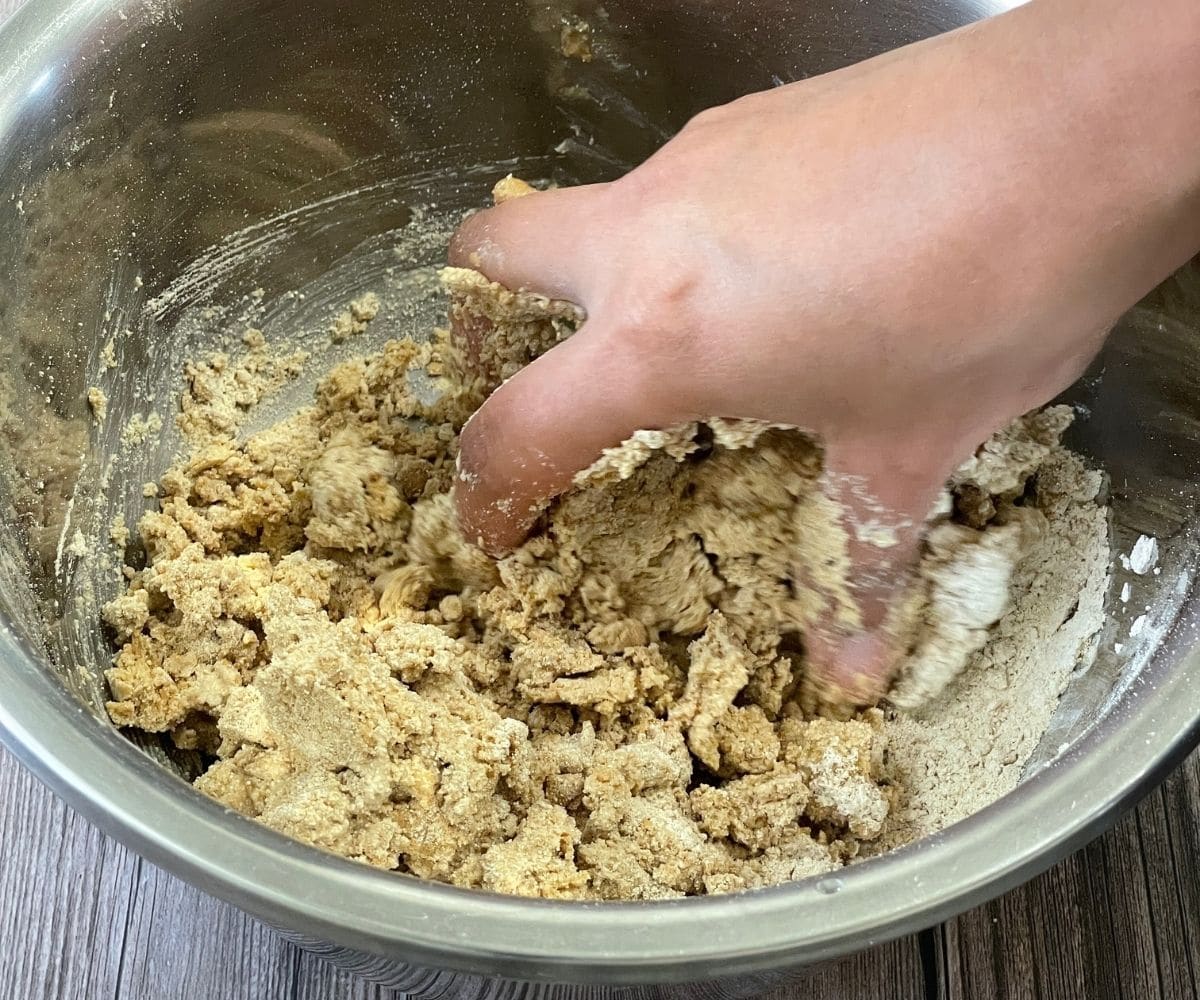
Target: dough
{"points": [[617, 710]]}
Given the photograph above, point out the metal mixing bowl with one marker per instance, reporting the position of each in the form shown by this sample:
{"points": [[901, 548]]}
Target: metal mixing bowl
{"points": [[315, 145]]}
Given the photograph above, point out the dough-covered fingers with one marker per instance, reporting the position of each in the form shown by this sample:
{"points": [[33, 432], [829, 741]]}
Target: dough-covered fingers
{"points": [[854, 666], [886, 505], [548, 422]]}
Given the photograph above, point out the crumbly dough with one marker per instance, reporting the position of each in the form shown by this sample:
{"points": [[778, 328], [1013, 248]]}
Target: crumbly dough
{"points": [[97, 401], [617, 710], [354, 319]]}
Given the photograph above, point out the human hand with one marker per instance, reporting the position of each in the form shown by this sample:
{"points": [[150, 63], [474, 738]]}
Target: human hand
{"points": [[899, 257]]}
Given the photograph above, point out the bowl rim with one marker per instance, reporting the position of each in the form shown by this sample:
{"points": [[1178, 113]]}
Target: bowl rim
{"points": [[317, 894], [302, 889]]}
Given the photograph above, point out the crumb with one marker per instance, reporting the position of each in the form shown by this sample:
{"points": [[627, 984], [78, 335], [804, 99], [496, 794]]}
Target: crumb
{"points": [[118, 532], [575, 41], [98, 402], [140, 428], [510, 187], [353, 320], [220, 390], [77, 546]]}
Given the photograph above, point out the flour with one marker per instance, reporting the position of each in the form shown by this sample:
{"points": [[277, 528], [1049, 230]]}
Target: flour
{"points": [[620, 708], [966, 748], [1143, 557]]}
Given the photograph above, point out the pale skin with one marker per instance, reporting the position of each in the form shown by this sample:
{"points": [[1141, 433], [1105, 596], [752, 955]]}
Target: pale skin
{"points": [[900, 257]]}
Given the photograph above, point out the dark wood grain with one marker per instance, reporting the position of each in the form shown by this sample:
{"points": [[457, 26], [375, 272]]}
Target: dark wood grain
{"points": [[1120, 919], [82, 917], [891, 972], [1049, 939], [1180, 798]]}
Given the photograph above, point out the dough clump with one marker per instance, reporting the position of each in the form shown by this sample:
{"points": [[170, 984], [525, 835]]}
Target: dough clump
{"points": [[617, 710]]}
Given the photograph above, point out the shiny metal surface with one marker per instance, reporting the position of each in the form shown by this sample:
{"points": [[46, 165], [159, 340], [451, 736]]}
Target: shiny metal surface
{"points": [[294, 144]]}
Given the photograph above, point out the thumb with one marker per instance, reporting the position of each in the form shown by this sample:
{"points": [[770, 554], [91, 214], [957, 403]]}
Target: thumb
{"points": [[549, 421], [886, 501], [556, 415]]}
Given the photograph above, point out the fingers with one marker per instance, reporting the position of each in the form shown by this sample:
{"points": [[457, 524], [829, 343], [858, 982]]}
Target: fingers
{"points": [[851, 671], [540, 243], [556, 416], [887, 499], [552, 419], [854, 667]]}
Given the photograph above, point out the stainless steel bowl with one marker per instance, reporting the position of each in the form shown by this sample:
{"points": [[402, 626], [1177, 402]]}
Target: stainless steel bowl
{"points": [[313, 144]]}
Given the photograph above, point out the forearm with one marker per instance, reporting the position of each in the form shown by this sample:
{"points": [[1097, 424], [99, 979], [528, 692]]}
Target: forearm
{"points": [[1109, 91], [1063, 137], [1130, 75]]}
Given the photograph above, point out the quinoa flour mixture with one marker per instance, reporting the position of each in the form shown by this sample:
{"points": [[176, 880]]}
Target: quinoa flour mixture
{"points": [[617, 710]]}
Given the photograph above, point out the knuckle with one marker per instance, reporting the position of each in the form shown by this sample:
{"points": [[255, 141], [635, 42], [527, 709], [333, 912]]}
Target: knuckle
{"points": [[707, 118], [660, 332], [661, 320], [465, 241], [634, 191], [474, 239]]}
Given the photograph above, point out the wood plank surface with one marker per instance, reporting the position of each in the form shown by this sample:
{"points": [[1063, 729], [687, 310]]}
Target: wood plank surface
{"points": [[1119, 920], [80, 916]]}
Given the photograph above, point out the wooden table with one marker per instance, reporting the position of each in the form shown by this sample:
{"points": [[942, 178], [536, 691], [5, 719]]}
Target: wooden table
{"points": [[83, 918]]}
